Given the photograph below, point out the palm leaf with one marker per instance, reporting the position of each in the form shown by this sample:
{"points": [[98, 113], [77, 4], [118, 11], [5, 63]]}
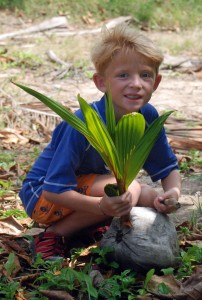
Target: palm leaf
{"points": [[59, 109], [129, 131], [141, 152], [94, 130], [100, 133], [110, 116], [123, 147]]}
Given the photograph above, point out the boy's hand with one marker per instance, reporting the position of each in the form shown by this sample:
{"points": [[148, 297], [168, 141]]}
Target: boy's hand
{"points": [[166, 205], [116, 206]]}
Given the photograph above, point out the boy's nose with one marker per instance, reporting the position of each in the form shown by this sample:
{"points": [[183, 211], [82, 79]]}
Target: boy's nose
{"points": [[136, 82]]}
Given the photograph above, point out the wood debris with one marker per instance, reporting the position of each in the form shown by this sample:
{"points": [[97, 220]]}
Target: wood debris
{"points": [[61, 22], [44, 26]]}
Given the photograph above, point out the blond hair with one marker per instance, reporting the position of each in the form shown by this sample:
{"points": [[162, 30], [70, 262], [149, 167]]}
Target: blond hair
{"points": [[123, 38]]}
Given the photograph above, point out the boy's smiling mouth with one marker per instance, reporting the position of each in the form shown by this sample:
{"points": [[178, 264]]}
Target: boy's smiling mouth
{"points": [[133, 97]]}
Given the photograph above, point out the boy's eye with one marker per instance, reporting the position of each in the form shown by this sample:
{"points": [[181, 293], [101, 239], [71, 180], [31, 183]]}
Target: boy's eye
{"points": [[147, 75], [123, 75]]}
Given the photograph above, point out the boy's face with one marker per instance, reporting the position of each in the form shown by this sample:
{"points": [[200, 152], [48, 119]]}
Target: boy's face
{"points": [[132, 80]]}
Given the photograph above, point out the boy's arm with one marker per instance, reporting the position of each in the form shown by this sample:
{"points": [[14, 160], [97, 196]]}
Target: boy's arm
{"points": [[172, 187], [107, 206]]}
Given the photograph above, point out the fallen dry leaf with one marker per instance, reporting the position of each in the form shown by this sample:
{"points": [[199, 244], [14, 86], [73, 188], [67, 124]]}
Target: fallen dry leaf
{"points": [[170, 282], [14, 245], [57, 295], [6, 175], [194, 243], [10, 226], [12, 136], [192, 287], [25, 279], [6, 59], [19, 296], [194, 237]]}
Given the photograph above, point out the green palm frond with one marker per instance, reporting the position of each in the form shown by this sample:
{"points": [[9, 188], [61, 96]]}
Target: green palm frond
{"points": [[128, 133], [59, 109], [124, 146], [141, 152], [110, 116], [94, 129], [98, 130]]}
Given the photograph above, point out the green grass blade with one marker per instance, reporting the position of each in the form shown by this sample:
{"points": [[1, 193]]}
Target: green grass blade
{"points": [[141, 152]]}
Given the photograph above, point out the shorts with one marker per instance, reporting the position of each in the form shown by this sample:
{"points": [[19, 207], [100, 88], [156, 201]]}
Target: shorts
{"points": [[46, 212]]}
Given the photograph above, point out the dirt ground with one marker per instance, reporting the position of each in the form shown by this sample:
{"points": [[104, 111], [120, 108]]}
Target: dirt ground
{"points": [[181, 88]]}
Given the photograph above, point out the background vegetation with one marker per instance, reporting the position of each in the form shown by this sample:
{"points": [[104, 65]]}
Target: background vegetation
{"points": [[153, 13]]}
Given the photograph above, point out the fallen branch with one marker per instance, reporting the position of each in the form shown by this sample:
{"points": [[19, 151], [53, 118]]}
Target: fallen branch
{"points": [[185, 144], [52, 56], [46, 25], [109, 25], [62, 21]]}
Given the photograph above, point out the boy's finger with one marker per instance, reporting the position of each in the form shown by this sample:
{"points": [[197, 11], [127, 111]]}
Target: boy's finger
{"points": [[159, 206], [170, 202]]}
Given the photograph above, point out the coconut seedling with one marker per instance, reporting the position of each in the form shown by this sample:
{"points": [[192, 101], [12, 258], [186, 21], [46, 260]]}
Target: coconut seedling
{"points": [[124, 145]]}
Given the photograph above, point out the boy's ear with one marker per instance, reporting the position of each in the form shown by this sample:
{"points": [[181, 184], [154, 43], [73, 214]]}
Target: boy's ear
{"points": [[157, 81], [99, 82]]}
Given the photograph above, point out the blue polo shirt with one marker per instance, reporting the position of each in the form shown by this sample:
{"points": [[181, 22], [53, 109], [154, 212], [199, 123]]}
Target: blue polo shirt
{"points": [[69, 154]]}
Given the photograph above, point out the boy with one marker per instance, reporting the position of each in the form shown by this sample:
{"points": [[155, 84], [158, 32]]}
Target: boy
{"points": [[65, 187]]}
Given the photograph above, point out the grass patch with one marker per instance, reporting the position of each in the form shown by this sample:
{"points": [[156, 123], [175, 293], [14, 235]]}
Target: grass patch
{"points": [[176, 43], [23, 60], [14, 4], [195, 161], [152, 13], [17, 213]]}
